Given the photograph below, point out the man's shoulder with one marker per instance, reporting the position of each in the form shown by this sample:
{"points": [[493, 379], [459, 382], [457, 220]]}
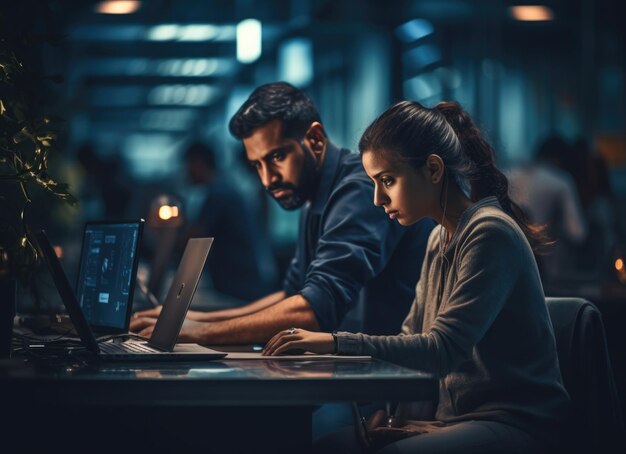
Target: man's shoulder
{"points": [[351, 191], [350, 169]]}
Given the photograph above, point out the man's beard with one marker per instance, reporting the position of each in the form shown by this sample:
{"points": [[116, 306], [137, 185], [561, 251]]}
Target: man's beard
{"points": [[303, 191]]}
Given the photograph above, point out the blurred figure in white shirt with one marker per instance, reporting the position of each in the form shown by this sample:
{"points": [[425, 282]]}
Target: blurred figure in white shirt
{"points": [[549, 197]]}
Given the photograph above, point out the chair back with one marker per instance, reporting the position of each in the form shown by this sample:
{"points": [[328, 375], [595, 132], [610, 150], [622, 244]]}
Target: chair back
{"points": [[596, 422]]}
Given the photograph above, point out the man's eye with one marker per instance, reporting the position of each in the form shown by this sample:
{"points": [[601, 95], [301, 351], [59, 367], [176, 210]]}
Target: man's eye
{"points": [[278, 156]]}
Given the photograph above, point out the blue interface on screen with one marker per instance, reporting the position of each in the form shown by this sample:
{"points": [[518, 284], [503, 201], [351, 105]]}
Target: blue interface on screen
{"points": [[106, 273]]}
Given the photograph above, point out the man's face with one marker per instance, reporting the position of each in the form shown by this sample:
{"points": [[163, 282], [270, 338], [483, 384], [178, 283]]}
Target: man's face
{"points": [[286, 168]]}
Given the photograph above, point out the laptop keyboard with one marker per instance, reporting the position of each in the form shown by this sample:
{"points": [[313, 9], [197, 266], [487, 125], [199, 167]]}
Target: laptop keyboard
{"points": [[126, 347]]}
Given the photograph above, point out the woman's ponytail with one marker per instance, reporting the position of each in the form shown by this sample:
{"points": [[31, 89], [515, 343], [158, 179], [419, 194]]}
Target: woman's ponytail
{"points": [[484, 178]]}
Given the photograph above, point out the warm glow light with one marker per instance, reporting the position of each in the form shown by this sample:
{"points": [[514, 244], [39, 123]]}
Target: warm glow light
{"points": [[619, 265], [118, 7], [58, 250], [165, 212], [168, 212], [531, 13], [148, 374]]}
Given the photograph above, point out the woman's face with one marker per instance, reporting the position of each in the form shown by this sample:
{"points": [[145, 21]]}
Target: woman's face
{"points": [[407, 194]]}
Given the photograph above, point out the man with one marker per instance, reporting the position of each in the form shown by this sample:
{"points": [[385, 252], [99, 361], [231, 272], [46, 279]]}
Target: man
{"points": [[353, 268], [240, 263]]}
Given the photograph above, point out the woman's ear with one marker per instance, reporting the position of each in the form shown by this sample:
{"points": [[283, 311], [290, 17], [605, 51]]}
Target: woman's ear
{"points": [[436, 168]]}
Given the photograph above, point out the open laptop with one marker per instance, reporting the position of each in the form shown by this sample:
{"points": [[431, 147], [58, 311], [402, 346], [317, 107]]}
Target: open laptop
{"points": [[107, 273], [162, 345], [105, 282]]}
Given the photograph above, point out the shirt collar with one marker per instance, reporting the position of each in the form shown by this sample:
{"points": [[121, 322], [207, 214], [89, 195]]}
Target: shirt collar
{"points": [[327, 178]]}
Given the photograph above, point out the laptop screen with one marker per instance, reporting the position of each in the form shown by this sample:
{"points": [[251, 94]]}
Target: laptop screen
{"points": [[106, 277]]}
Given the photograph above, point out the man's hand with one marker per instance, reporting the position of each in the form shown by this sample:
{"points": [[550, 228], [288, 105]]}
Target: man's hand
{"points": [[142, 325], [149, 313], [155, 311], [299, 340], [191, 331], [246, 329]]}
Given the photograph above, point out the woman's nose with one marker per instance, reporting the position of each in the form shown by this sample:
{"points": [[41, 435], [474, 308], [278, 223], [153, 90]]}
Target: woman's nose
{"points": [[379, 197]]}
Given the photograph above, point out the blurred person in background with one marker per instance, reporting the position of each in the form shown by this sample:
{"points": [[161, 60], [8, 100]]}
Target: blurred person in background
{"points": [[105, 190], [241, 263], [592, 176], [549, 197]]}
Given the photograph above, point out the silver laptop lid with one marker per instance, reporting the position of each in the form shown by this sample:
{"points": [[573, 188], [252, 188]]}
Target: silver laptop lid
{"points": [[180, 294]]}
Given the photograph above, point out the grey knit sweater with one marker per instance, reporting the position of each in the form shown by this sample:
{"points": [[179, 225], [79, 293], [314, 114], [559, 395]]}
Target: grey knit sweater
{"points": [[479, 322]]}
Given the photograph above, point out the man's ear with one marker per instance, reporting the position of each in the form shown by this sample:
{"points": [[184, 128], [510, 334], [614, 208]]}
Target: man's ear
{"points": [[315, 137], [436, 168]]}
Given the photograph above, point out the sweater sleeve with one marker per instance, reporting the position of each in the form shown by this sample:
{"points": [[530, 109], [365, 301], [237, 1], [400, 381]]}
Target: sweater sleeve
{"points": [[487, 265], [415, 318]]}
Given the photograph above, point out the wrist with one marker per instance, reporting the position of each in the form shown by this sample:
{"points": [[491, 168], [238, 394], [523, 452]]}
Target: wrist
{"points": [[209, 333], [335, 343]]}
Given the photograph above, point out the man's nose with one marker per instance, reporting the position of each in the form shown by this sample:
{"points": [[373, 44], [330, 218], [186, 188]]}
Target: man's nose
{"points": [[268, 176]]}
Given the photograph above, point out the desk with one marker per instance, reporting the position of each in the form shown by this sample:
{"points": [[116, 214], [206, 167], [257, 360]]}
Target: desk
{"points": [[238, 406]]}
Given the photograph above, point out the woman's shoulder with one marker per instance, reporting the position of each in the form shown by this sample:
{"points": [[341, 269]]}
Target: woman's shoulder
{"points": [[434, 238], [494, 225], [487, 223]]}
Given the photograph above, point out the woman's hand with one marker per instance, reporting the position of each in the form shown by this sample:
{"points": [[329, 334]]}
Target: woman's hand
{"points": [[299, 340], [383, 430]]}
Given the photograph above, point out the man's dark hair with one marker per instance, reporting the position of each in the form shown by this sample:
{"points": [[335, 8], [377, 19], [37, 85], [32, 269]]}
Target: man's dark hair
{"points": [[278, 100], [203, 152]]}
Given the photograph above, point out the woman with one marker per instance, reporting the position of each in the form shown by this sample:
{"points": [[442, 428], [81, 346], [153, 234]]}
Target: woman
{"points": [[479, 319]]}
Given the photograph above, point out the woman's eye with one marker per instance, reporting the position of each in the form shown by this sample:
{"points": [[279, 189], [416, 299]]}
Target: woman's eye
{"points": [[386, 182]]}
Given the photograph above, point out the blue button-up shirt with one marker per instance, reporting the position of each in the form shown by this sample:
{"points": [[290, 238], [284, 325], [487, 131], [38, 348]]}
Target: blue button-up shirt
{"points": [[356, 268]]}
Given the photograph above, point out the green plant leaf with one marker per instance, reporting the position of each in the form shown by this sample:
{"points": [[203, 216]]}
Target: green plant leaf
{"points": [[26, 141]]}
